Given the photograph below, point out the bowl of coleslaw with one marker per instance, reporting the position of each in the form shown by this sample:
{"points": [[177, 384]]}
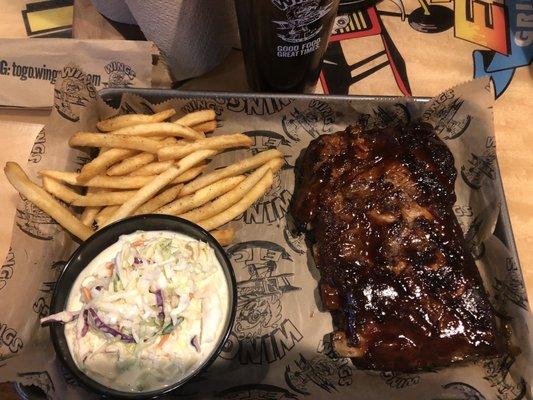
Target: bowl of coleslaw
{"points": [[143, 306]]}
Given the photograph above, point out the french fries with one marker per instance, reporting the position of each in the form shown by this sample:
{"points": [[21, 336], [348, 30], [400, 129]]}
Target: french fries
{"points": [[42, 199], [59, 190], [146, 165], [104, 215], [224, 236], [123, 121], [102, 162], [89, 214], [159, 201], [154, 168], [215, 143], [116, 182], [190, 174], [201, 197], [241, 206], [162, 180], [103, 198], [92, 199], [240, 167], [209, 126], [197, 117], [160, 129], [100, 181], [232, 196], [108, 157], [119, 141], [130, 164]]}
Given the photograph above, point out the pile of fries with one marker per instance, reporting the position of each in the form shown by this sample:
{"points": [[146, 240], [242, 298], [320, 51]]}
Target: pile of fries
{"points": [[146, 165]]}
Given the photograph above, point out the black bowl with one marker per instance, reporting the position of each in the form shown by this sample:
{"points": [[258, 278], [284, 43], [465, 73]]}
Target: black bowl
{"points": [[94, 246]]}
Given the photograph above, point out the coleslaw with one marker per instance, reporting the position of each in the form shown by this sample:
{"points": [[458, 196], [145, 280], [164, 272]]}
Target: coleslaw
{"points": [[146, 311]]}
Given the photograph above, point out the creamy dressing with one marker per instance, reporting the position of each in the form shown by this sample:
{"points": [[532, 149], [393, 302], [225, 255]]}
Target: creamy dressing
{"points": [[152, 309]]}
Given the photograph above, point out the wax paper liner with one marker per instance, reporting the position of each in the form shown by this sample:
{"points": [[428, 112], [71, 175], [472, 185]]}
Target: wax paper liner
{"points": [[278, 348]]}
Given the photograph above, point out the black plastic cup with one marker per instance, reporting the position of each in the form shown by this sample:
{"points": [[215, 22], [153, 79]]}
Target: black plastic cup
{"points": [[284, 41], [100, 241]]}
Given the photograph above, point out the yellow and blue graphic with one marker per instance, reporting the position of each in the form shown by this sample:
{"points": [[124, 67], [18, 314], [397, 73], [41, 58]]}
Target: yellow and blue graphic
{"points": [[510, 46], [501, 35]]}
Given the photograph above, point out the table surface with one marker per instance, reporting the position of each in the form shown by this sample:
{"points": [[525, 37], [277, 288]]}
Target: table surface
{"points": [[511, 111]]}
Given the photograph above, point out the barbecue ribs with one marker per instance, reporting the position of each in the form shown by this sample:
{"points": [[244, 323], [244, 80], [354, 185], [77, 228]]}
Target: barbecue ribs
{"points": [[402, 287]]}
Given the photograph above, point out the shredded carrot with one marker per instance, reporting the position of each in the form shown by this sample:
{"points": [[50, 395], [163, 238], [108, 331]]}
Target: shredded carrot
{"points": [[86, 294], [163, 340], [138, 242], [110, 267]]}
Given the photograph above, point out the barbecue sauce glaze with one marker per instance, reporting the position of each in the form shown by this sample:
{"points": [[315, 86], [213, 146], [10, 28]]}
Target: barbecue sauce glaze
{"points": [[395, 270]]}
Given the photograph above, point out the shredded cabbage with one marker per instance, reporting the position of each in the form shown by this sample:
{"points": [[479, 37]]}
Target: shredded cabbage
{"points": [[154, 291]]}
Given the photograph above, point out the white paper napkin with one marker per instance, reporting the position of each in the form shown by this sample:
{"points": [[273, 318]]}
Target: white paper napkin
{"points": [[193, 36]]}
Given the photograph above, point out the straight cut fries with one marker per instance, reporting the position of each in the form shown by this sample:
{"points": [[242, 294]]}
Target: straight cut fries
{"points": [[103, 198], [102, 162], [153, 168], [88, 216], [116, 182], [108, 158], [201, 197], [215, 143], [241, 206], [100, 181], [160, 200], [147, 191], [123, 121], [160, 129], [44, 200], [190, 174], [209, 126], [240, 167], [146, 165], [104, 215], [197, 117], [233, 195], [131, 164], [93, 199], [59, 190], [119, 141], [224, 236]]}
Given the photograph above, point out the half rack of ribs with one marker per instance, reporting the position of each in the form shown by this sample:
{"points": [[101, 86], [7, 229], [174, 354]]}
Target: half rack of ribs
{"points": [[396, 274]]}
